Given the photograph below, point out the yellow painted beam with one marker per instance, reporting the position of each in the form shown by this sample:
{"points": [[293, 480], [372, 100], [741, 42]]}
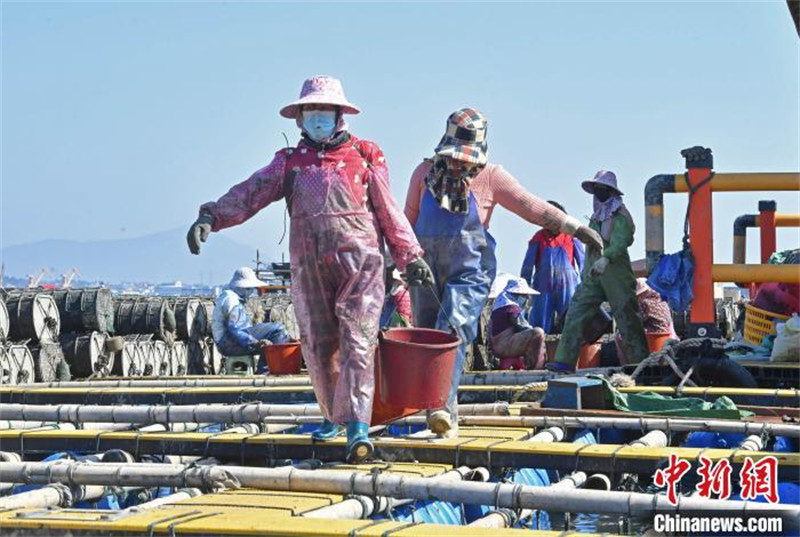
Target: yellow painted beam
{"points": [[756, 273], [190, 518], [747, 182], [464, 445], [787, 220]]}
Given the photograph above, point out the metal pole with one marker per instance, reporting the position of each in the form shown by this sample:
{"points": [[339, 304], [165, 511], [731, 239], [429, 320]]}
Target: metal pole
{"points": [[212, 413], [52, 496], [642, 423], [261, 413], [359, 507]]}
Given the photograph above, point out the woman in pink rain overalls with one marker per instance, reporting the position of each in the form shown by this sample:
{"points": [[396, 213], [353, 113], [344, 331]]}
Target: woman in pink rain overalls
{"points": [[337, 192]]}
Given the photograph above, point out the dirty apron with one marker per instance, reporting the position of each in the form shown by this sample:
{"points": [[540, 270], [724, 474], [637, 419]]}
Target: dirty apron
{"points": [[337, 286], [460, 252]]}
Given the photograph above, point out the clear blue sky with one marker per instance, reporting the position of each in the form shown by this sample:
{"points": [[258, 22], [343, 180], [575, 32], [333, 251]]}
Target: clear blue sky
{"points": [[119, 119]]}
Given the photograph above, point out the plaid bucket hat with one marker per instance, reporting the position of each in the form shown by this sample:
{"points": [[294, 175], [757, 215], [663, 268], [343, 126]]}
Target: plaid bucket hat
{"points": [[465, 138]]}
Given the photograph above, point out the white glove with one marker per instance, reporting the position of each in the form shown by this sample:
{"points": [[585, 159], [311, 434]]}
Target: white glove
{"points": [[599, 267]]}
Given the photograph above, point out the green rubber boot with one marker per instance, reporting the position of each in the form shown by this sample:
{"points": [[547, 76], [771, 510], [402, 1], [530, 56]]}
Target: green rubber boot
{"points": [[359, 447], [327, 431]]}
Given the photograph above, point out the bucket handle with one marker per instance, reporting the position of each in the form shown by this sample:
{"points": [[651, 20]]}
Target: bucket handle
{"points": [[432, 289]]}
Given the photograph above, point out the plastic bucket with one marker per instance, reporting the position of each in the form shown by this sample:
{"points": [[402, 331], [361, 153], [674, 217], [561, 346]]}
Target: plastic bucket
{"points": [[656, 340], [383, 413], [283, 358], [589, 356], [416, 367]]}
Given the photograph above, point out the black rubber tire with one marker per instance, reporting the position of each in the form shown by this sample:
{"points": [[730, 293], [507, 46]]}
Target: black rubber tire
{"points": [[722, 372]]}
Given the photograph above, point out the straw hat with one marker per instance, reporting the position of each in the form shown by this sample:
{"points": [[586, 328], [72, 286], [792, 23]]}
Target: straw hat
{"points": [[518, 286], [245, 278], [465, 138], [321, 89], [603, 177]]}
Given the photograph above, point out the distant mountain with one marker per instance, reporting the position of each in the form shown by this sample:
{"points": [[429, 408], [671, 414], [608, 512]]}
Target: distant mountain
{"points": [[161, 257]]}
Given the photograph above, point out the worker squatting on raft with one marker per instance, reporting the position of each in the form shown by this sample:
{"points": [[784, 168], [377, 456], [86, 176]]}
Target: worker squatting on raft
{"points": [[655, 314], [450, 202], [232, 326], [608, 277], [337, 192], [515, 342], [552, 266]]}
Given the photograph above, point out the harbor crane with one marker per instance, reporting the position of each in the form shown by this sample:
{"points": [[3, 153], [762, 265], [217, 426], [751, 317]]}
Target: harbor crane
{"points": [[33, 281], [67, 279]]}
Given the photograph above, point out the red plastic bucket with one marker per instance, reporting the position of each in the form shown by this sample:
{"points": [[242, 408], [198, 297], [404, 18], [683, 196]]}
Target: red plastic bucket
{"points": [[656, 340], [383, 413], [416, 367], [283, 358]]}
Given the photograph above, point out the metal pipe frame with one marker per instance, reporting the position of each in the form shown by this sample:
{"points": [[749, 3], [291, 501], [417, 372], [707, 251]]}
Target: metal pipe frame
{"points": [[658, 185], [745, 221]]}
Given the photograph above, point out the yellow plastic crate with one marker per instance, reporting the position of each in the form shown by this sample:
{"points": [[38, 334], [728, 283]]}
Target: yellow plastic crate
{"points": [[759, 324]]}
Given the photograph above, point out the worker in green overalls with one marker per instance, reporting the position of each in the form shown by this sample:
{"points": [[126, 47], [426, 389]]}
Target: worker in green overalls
{"points": [[608, 276]]}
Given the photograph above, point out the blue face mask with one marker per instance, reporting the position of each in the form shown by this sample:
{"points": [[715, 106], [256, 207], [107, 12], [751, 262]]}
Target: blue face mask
{"points": [[319, 124], [246, 293]]}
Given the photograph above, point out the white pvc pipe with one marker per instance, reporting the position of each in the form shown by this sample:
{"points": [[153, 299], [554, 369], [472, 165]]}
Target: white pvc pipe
{"points": [[180, 495], [390, 485], [575, 480], [651, 439], [28, 425], [643, 423], [597, 482], [503, 519], [551, 434], [359, 507], [752, 443], [49, 496], [52, 496], [9, 456], [499, 518]]}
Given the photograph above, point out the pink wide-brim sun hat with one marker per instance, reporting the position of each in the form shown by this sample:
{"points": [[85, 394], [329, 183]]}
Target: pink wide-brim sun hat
{"points": [[320, 89]]}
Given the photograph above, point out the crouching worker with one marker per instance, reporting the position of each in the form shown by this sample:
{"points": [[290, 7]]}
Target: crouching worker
{"points": [[232, 326], [516, 343], [609, 277], [336, 188]]}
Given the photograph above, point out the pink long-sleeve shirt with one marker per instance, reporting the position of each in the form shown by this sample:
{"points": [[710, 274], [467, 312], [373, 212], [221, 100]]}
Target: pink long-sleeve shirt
{"points": [[266, 185], [492, 186]]}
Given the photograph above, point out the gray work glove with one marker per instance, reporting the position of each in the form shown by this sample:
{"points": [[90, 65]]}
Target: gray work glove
{"points": [[256, 347], [599, 267], [590, 238], [199, 232], [419, 273]]}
